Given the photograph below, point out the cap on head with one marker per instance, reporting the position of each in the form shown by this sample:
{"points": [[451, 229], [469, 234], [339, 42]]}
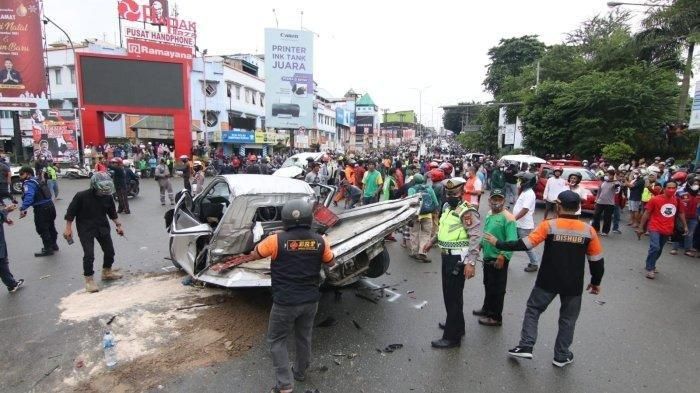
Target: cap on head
{"points": [[497, 193], [454, 186], [569, 200]]}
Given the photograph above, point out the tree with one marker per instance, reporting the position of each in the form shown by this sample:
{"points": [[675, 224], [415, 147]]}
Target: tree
{"points": [[452, 120], [618, 152], [509, 58]]}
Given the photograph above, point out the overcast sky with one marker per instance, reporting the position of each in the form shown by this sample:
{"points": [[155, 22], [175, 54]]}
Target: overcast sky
{"points": [[383, 47]]}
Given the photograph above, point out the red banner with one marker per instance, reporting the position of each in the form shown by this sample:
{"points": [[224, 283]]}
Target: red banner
{"points": [[22, 73], [140, 48]]}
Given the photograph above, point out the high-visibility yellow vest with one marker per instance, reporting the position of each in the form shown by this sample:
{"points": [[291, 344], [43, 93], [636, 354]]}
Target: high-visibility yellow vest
{"points": [[451, 232]]}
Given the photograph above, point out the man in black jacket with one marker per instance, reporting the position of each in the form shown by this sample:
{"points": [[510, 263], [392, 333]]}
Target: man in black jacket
{"points": [[119, 176], [567, 243], [90, 209]]}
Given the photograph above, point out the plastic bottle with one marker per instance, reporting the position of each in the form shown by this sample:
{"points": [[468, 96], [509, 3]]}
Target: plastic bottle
{"points": [[110, 350]]}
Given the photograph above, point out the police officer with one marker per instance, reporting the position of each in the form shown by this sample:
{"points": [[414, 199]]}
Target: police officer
{"points": [[37, 195], [297, 255], [567, 243], [458, 238]]}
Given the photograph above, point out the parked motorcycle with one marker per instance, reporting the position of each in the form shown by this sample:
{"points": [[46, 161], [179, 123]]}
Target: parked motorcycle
{"points": [[132, 189], [77, 172]]}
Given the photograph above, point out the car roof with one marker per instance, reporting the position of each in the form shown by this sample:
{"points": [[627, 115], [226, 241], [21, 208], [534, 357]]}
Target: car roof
{"points": [[265, 184], [304, 156]]}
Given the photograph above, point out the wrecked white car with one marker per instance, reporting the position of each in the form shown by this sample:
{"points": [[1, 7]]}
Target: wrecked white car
{"points": [[211, 236]]}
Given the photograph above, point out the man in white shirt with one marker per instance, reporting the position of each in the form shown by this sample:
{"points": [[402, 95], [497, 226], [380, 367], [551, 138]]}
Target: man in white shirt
{"points": [[575, 186], [524, 211], [555, 186]]}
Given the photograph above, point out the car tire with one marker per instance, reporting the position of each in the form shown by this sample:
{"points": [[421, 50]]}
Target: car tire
{"points": [[379, 264], [16, 186]]}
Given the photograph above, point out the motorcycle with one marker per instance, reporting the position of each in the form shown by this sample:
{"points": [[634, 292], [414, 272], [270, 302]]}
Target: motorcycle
{"points": [[132, 189], [77, 172]]}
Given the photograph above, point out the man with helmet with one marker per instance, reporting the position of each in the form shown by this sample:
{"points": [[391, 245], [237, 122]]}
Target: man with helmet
{"points": [[458, 237], [524, 211], [574, 184], [198, 180], [422, 229], [555, 185], [90, 210], [36, 194], [186, 172], [116, 167], [297, 255]]}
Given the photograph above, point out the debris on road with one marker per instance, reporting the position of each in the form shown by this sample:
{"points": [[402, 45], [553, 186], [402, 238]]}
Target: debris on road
{"points": [[323, 369], [43, 277], [357, 325], [336, 361], [365, 297], [421, 305], [109, 322], [328, 322], [599, 302], [392, 347]]}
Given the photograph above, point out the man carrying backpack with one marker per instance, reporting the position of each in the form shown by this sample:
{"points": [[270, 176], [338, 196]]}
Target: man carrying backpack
{"points": [[421, 232], [37, 195]]}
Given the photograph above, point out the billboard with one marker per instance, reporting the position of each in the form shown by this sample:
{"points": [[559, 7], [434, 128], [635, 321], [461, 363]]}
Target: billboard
{"points": [[289, 82], [365, 125], [400, 117], [54, 134], [694, 122], [22, 74], [124, 82]]}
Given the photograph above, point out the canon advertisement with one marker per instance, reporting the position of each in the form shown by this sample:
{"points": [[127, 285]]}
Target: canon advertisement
{"points": [[289, 80], [22, 74]]}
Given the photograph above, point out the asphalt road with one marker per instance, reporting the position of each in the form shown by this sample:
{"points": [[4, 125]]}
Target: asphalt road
{"points": [[638, 335]]}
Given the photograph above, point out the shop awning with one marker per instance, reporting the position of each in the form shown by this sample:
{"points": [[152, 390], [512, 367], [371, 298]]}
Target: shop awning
{"points": [[158, 123]]}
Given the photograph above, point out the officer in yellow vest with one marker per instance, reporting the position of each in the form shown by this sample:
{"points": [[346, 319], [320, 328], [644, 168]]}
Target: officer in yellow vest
{"points": [[458, 237]]}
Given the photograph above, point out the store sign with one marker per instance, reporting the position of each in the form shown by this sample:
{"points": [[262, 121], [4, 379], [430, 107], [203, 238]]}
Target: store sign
{"points": [[156, 36], [260, 136], [238, 136], [22, 74], [155, 13], [156, 134], [289, 80], [365, 125], [140, 48]]}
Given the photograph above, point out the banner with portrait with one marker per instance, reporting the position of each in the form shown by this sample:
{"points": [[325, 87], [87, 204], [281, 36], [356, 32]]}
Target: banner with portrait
{"points": [[54, 135]]}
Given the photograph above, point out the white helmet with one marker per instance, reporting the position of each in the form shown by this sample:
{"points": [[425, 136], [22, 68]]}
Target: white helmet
{"points": [[197, 163], [611, 168]]}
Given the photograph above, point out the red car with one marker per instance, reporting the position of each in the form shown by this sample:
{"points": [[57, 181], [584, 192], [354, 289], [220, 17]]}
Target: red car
{"points": [[588, 182]]}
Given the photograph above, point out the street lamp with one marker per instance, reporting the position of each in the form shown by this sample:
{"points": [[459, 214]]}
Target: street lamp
{"points": [[204, 90], [420, 106], [46, 21]]}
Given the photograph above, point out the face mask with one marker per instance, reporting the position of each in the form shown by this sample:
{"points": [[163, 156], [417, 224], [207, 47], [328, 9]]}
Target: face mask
{"points": [[606, 178], [670, 193], [695, 187], [496, 207], [453, 201], [467, 175]]}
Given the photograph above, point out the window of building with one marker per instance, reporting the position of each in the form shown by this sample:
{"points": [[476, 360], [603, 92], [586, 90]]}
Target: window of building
{"points": [[5, 114], [210, 89], [262, 99], [238, 92], [253, 94], [228, 90], [57, 75], [247, 96], [72, 75], [211, 119]]}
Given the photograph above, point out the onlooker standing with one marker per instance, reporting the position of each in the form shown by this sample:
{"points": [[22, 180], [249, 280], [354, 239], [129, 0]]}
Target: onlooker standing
{"points": [[390, 189], [372, 184], [359, 174], [575, 186], [5, 182], [498, 181], [313, 177], [524, 211], [636, 187], [422, 229], [555, 186], [661, 213], [568, 242], [152, 164], [37, 195], [473, 187], [688, 197], [620, 202], [198, 179], [511, 188], [501, 224], [7, 278], [90, 209], [52, 179], [119, 177], [605, 202], [162, 175], [186, 172]]}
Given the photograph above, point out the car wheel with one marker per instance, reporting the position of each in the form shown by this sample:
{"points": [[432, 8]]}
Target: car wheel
{"points": [[16, 186], [379, 264]]}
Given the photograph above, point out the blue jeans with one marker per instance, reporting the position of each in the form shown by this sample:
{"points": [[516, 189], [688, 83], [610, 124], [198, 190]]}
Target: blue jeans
{"points": [[530, 253], [53, 186], [688, 240], [616, 218], [656, 246]]}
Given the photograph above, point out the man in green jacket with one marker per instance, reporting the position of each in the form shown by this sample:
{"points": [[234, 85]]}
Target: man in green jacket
{"points": [[498, 180], [501, 224]]}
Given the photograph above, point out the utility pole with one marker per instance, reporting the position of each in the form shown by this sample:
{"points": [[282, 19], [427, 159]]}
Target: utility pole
{"points": [[204, 90]]}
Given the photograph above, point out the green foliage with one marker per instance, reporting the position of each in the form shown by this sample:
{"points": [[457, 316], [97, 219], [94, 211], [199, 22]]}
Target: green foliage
{"points": [[470, 141], [509, 58], [485, 140], [452, 120], [618, 152]]}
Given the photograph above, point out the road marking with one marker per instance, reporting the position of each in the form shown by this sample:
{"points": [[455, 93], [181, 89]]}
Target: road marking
{"points": [[168, 268], [375, 286], [421, 305]]}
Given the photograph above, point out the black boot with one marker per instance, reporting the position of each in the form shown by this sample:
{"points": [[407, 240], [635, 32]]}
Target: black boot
{"points": [[43, 253], [445, 344]]}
